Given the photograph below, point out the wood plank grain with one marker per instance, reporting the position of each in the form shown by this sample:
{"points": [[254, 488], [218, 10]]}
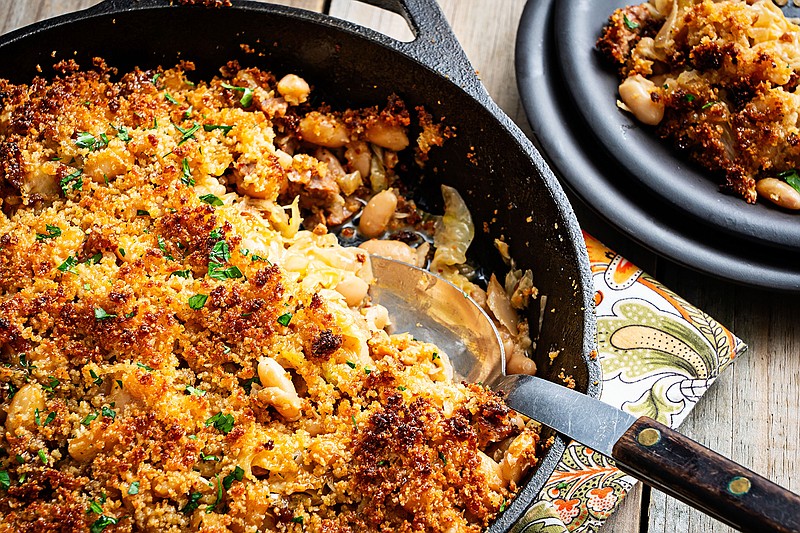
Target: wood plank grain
{"points": [[15, 13], [626, 518]]}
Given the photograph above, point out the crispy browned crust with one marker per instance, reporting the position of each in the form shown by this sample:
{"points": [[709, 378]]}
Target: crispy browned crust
{"points": [[114, 336], [734, 117]]}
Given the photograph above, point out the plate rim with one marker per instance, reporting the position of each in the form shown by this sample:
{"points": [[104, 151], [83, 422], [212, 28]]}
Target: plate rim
{"points": [[570, 161], [676, 179]]}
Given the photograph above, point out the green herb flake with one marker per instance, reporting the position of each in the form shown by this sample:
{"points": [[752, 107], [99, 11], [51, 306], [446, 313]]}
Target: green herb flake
{"points": [[36, 418], [194, 391], [42, 456], [22, 478], [284, 319], [169, 98], [689, 98], [189, 133], [70, 178], [145, 367], [155, 78], [211, 199], [401, 388], [102, 523], [247, 94], [792, 178], [96, 258], [218, 272], [123, 134], [119, 383], [186, 274], [248, 384], [86, 140], [503, 506], [52, 383], [97, 380], [367, 371], [133, 488], [5, 480], [108, 412], [353, 418], [122, 252], [68, 265], [50, 418], [52, 233], [192, 504], [255, 257], [298, 519], [101, 314], [629, 23], [95, 507], [236, 475], [204, 457], [443, 458], [212, 127], [88, 420], [20, 459], [198, 301], [222, 422], [220, 253], [142, 213], [187, 178], [382, 462], [219, 495], [435, 356], [709, 104], [351, 364]]}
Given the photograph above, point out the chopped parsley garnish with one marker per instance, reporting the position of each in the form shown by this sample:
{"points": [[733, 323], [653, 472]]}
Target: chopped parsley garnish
{"points": [[198, 301], [219, 495], [27, 365], [255, 257], [187, 178], [123, 134], [88, 420], [351, 364], [122, 252], [36, 418], [212, 127], [353, 418], [503, 505], [96, 258], [211, 199], [12, 390], [69, 178], [629, 23], [382, 462], [689, 98], [435, 356], [50, 418], [247, 94], [52, 383], [215, 234], [86, 140], [236, 475], [284, 319], [182, 273], [194, 391], [401, 388], [443, 458], [101, 314], [218, 272], [108, 412], [95, 507], [248, 384], [155, 78], [42, 456], [145, 367], [103, 522], [68, 265], [221, 422], [188, 133], [162, 245], [52, 233], [792, 178], [204, 457], [97, 380], [5, 480], [298, 519], [169, 98], [20, 459], [709, 104], [192, 504], [220, 253], [133, 488], [119, 383], [142, 213], [188, 113]]}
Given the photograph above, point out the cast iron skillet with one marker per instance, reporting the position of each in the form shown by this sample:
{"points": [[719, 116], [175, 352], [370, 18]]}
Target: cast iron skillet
{"points": [[504, 183]]}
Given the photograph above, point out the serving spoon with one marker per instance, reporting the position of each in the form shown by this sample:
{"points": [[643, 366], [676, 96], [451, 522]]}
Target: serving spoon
{"points": [[434, 310]]}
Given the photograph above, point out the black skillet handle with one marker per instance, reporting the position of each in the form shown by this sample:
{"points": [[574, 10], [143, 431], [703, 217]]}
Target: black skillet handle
{"points": [[681, 467], [435, 45]]}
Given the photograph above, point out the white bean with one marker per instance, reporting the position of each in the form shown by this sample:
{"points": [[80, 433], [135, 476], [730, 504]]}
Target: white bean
{"points": [[278, 389], [354, 289], [377, 214], [324, 130], [391, 136], [21, 411], [358, 155], [779, 193], [294, 89], [396, 250], [635, 93]]}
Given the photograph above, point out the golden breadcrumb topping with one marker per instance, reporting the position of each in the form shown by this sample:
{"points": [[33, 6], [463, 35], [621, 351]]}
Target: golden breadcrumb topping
{"points": [[177, 354]]}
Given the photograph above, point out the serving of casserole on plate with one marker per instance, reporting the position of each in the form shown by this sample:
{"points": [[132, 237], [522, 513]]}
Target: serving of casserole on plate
{"points": [[178, 352]]}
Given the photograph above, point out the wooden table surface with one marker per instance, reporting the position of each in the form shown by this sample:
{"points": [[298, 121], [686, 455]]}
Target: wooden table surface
{"points": [[751, 413]]}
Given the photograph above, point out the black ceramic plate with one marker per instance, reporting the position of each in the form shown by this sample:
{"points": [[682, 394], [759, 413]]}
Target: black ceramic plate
{"points": [[585, 166], [675, 180]]}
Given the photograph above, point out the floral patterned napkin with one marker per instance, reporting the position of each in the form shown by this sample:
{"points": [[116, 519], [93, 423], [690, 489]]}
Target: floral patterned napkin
{"points": [[658, 354]]}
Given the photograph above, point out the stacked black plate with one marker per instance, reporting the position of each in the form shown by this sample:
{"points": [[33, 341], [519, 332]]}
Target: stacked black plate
{"points": [[619, 168]]}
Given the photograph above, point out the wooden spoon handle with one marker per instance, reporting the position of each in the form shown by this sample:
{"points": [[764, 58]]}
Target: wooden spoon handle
{"points": [[679, 466]]}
